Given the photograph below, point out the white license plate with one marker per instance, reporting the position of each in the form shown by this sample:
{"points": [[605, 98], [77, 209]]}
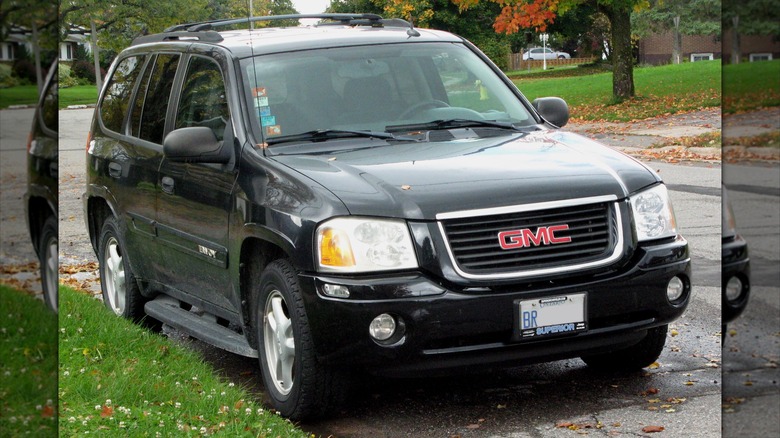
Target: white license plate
{"points": [[549, 316]]}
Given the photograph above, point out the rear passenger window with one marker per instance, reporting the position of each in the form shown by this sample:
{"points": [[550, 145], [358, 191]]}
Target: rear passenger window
{"points": [[203, 101], [148, 117], [117, 98]]}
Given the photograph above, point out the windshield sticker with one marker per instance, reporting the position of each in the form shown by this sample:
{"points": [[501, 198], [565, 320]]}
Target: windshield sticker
{"points": [[273, 130], [261, 101], [264, 111], [259, 92], [268, 120]]}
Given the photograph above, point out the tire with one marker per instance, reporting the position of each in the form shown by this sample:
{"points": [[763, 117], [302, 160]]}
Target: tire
{"points": [[299, 387], [49, 262], [561, 57], [121, 293], [634, 357]]}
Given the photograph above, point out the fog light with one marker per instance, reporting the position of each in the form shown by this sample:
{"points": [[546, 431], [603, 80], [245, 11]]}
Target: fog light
{"points": [[733, 288], [336, 290], [675, 289], [382, 327]]}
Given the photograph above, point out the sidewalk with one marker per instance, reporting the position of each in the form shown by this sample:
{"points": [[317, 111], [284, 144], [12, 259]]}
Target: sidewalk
{"points": [[666, 137]]}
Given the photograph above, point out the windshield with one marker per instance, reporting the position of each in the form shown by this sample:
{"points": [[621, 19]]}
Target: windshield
{"points": [[375, 87]]}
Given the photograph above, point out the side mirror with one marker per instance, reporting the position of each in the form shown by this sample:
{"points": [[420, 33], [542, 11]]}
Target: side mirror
{"points": [[196, 144], [552, 109]]}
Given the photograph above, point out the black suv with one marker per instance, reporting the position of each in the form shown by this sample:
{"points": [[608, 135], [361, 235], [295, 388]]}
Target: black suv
{"points": [[363, 195]]}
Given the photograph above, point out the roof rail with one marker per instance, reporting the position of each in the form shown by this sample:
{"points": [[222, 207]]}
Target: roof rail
{"points": [[206, 36], [203, 30]]}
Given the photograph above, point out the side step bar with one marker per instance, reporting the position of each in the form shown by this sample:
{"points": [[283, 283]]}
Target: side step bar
{"points": [[166, 309]]}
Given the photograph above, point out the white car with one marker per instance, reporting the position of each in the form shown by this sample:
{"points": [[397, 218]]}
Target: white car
{"points": [[540, 53]]}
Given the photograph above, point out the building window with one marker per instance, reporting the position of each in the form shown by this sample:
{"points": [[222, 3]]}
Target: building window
{"points": [[760, 57], [7, 52], [702, 57], [66, 51]]}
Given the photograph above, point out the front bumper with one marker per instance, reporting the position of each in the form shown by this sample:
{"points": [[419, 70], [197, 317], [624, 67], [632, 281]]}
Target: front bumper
{"points": [[735, 264], [449, 327]]}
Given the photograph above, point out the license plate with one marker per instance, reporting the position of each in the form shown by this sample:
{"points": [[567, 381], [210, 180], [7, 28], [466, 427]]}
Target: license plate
{"points": [[549, 316]]}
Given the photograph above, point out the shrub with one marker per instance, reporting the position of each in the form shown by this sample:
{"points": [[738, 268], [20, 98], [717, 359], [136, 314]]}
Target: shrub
{"points": [[6, 77], [24, 69], [84, 70], [64, 76]]}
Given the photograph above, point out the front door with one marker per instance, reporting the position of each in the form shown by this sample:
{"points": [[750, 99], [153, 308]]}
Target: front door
{"points": [[195, 199]]}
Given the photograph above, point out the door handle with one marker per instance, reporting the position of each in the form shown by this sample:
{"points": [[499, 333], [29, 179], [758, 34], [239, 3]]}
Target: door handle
{"points": [[167, 185], [115, 170]]}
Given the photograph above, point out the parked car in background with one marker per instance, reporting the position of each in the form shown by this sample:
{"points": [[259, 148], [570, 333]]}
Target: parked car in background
{"points": [[40, 200], [735, 266], [363, 196], [538, 53]]}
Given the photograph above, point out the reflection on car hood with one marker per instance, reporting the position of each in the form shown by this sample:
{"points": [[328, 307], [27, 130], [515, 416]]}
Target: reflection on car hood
{"points": [[420, 180]]}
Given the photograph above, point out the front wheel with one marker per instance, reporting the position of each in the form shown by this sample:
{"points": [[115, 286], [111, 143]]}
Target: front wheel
{"points": [[120, 289], [634, 357], [297, 385], [49, 261]]}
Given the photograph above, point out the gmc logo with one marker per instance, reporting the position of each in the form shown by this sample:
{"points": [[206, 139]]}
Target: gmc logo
{"points": [[524, 238]]}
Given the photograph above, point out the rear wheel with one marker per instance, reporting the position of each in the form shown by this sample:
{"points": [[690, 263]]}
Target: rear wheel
{"points": [[49, 261], [120, 288], [634, 357], [297, 385]]}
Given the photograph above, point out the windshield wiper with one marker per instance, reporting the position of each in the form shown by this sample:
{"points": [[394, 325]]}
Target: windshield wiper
{"points": [[330, 134], [455, 123]]}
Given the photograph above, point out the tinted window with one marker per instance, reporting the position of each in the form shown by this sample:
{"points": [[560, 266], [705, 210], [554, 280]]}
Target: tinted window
{"points": [[117, 98], [203, 101], [148, 118]]}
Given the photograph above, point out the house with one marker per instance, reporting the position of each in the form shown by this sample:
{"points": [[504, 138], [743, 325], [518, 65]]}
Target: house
{"points": [[656, 49], [17, 38], [77, 36]]}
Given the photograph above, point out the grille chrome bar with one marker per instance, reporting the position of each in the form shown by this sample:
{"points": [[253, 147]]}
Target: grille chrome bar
{"points": [[476, 254]]}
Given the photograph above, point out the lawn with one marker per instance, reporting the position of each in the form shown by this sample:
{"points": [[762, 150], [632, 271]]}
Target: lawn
{"points": [[120, 379], [659, 90], [28, 369], [78, 95], [751, 85], [21, 95]]}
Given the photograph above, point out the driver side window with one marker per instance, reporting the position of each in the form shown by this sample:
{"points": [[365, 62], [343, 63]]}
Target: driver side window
{"points": [[203, 99]]}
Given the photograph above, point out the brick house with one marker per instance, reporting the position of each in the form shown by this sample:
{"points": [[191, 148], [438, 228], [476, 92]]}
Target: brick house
{"points": [[656, 49]]}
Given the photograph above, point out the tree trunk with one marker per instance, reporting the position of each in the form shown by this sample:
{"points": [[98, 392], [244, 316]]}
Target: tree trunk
{"points": [[96, 56], [736, 50], [677, 44], [622, 56], [37, 56]]}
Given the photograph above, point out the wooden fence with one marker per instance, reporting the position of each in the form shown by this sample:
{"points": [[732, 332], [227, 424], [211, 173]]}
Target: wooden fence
{"points": [[516, 62]]}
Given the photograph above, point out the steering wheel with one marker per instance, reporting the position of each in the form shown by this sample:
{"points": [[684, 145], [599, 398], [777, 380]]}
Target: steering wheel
{"points": [[419, 106]]}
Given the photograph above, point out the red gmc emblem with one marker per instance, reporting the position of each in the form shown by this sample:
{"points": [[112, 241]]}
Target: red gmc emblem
{"points": [[524, 238]]}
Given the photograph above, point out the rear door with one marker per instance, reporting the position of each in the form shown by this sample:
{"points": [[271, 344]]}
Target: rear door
{"points": [[195, 201]]}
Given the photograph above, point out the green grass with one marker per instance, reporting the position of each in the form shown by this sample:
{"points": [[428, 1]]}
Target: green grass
{"points": [[78, 95], [120, 379], [751, 85], [28, 369], [20, 95], [659, 91]]}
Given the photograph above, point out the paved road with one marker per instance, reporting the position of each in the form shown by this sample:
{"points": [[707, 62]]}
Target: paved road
{"points": [[751, 375], [16, 250], [517, 402]]}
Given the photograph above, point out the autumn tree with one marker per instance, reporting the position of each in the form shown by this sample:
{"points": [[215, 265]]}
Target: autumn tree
{"points": [[538, 14], [39, 17]]}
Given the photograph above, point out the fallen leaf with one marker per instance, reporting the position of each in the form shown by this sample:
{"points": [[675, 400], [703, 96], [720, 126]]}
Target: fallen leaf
{"points": [[472, 426], [652, 429], [674, 332], [47, 412], [564, 424], [406, 187], [107, 411]]}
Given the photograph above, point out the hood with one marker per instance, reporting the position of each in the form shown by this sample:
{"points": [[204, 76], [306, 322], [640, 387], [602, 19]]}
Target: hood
{"points": [[420, 180]]}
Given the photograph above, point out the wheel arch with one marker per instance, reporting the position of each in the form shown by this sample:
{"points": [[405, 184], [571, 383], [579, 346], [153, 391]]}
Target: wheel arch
{"points": [[98, 210], [256, 253], [38, 211]]}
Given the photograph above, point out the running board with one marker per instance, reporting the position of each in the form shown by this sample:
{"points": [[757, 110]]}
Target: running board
{"points": [[166, 309]]}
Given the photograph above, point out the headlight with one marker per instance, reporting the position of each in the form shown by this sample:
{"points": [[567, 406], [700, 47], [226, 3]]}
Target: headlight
{"points": [[352, 244], [729, 225], [653, 214]]}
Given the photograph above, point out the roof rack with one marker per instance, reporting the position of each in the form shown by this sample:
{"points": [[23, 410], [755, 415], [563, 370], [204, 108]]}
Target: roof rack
{"points": [[204, 30], [207, 36]]}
